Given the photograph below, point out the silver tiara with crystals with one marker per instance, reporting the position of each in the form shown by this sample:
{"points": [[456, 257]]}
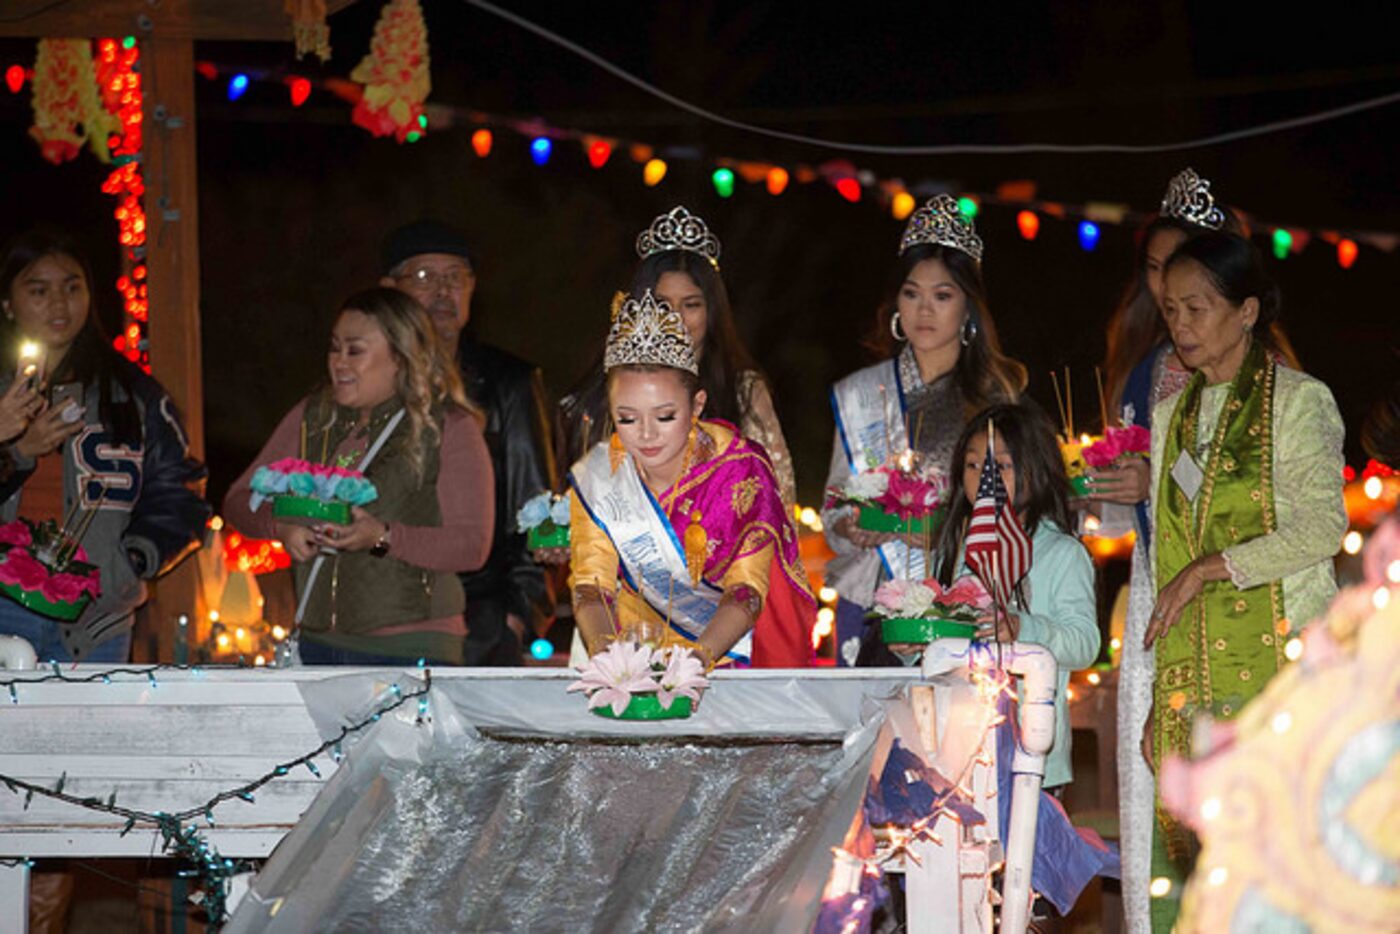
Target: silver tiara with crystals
{"points": [[649, 333], [1188, 198], [940, 221], [678, 229]]}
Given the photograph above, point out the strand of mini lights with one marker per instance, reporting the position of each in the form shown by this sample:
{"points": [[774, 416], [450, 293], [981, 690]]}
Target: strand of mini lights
{"points": [[181, 835]]}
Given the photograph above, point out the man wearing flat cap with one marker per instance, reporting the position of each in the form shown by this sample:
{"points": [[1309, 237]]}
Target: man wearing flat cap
{"points": [[509, 598]]}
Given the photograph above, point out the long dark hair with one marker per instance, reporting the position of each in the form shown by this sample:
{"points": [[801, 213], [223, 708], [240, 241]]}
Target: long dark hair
{"points": [[1042, 489], [723, 356], [1136, 325], [1235, 268], [984, 374], [90, 360]]}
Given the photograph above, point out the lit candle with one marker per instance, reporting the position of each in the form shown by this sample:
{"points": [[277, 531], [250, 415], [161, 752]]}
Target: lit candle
{"points": [[30, 361]]}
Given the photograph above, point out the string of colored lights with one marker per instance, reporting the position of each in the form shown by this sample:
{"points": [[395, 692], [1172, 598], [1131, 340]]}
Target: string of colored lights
{"points": [[119, 80], [180, 833], [850, 183]]}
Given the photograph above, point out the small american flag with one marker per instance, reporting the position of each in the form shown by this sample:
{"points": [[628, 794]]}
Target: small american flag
{"points": [[998, 549]]}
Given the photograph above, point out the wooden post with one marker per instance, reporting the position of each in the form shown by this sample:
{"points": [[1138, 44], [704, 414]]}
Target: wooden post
{"points": [[172, 262]]}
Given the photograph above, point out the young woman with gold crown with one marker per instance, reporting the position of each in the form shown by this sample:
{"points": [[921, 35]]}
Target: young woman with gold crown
{"points": [[676, 521], [943, 363], [679, 262]]}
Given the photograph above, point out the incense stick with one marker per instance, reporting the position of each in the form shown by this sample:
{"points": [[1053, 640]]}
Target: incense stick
{"points": [[1060, 404], [1069, 402], [1103, 403], [885, 418]]}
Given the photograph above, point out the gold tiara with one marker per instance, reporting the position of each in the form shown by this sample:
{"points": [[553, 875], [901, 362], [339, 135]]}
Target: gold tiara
{"points": [[678, 229], [1188, 198], [649, 333], [940, 221]]}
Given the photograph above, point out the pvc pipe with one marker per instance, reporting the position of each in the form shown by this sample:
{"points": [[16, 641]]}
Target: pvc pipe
{"points": [[17, 653], [1038, 670]]}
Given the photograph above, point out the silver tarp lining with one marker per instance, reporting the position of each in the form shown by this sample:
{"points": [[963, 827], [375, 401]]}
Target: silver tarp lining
{"points": [[531, 824]]}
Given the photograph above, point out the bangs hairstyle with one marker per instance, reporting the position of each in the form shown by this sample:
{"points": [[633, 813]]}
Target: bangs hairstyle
{"points": [[90, 360], [428, 377], [723, 356], [984, 374], [689, 380], [1042, 488]]}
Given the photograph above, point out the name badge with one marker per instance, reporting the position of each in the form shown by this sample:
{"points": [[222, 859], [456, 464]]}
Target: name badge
{"points": [[1187, 475]]}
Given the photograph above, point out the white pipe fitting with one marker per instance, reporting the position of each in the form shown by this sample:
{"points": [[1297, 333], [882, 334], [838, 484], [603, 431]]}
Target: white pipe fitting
{"points": [[1038, 672]]}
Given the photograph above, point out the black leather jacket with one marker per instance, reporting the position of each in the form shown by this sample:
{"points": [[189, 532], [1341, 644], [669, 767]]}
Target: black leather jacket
{"points": [[511, 392]]}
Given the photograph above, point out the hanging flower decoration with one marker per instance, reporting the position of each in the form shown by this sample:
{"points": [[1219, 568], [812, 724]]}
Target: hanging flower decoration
{"points": [[395, 74], [67, 109], [309, 29]]}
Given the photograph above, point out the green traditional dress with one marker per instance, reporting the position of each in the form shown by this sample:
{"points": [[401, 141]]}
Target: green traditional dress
{"points": [[1267, 445]]}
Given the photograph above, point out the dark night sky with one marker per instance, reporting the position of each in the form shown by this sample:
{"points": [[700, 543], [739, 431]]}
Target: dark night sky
{"points": [[293, 202]]}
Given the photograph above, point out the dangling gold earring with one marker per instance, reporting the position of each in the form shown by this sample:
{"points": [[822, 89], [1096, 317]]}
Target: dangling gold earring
{"points": [[615, 452]]}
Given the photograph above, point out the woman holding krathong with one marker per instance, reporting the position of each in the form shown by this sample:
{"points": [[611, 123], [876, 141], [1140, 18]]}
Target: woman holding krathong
{"points": [[1247, 511], [943, 362], [101, 472], [675, 520], [382, 589]]}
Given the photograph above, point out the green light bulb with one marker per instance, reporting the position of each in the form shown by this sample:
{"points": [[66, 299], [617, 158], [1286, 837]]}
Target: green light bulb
{"points": [[129, 42], [967, 207], [724, 182], [1283, 243]]}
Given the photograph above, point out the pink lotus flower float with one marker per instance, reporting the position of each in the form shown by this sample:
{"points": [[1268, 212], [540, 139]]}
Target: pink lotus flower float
{"points": [[628, 681], [1115, 448], [45, 570], [899, 496], [917, 612]]}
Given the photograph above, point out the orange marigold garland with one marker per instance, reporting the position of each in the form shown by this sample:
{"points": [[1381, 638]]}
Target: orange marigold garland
{"points": [[395, 74], [67, 110], [309, 30]]}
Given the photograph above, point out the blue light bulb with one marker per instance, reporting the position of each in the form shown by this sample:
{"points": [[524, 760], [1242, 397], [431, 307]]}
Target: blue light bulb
{"points": [[1088, 235], [237, 85], [539, 150], [541, 649]]}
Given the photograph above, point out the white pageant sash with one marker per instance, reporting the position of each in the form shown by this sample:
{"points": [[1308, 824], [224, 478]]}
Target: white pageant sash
{"points": [[649, 552], [871, 427]]}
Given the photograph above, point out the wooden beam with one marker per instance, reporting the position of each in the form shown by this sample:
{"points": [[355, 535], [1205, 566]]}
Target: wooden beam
{"points": [[259, 20], [172, 263]]}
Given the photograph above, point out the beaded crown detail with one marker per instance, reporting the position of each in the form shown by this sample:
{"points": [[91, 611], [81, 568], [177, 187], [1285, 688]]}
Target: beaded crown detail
{"points": [[1188, 198], [678, 229], [941, 222], [649, 333]]}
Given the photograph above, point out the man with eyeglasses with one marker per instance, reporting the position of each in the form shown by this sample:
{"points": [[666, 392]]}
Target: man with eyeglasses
{"points": [[509, 599]]}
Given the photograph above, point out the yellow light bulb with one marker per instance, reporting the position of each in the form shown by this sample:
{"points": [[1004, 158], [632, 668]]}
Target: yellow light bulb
{"points": [[1352, 542], [1372, 487]]}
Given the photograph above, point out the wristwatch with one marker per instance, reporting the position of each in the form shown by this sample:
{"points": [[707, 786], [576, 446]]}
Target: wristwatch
{"points": [[381, 548]]}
